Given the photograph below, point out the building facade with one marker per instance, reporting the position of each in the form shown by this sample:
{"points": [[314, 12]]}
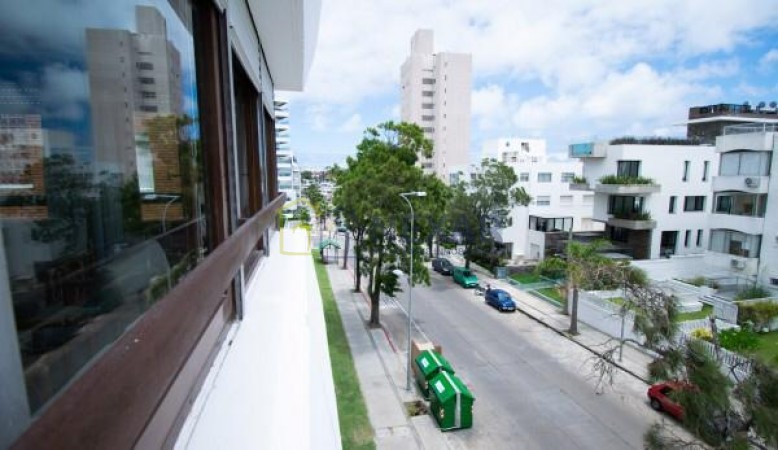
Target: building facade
{"points": [[744, 213], [653, 199], [289, 173], [436, 96], [707, 122], [143, 197]]}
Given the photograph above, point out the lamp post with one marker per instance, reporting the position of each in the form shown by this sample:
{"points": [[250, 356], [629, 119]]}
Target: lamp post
{"points": [[405, 196]]}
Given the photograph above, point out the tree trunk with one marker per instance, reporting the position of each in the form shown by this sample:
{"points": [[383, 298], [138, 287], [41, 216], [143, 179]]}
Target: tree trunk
{"points": [[345, 252], [375, 291], [357, 265], [574, 312], [429, 244]]}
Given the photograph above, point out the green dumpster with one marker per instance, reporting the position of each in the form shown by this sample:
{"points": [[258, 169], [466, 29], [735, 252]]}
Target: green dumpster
{"points": [[451, 402], [428, 364]]}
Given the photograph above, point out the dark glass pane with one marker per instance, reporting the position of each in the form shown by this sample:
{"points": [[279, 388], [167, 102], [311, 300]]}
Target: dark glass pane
{"points": [[101, 196]]}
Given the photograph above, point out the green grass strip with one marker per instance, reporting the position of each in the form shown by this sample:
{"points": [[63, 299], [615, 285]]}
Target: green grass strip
{"points": [[355, 429], [704, 313], [526, 278]]}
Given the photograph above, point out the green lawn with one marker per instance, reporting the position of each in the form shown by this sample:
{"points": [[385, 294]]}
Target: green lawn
{"points": [[355, 429], [526, 278], [768, 347], [704, 313], [552, 293]]}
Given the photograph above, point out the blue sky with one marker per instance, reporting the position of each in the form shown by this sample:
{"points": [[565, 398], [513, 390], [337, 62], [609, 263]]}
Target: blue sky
{"points": [[563, 70]]}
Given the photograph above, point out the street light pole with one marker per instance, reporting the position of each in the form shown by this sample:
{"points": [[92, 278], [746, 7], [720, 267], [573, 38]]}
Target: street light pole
{"points": [[405, 196]]}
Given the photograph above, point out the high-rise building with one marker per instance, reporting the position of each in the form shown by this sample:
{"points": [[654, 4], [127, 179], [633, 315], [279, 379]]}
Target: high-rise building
{"points": [[289, 174], [436, 96]]}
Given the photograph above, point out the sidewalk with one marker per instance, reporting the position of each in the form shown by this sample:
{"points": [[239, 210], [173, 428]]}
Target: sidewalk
{"points": [[381, 371], [634, 360]]}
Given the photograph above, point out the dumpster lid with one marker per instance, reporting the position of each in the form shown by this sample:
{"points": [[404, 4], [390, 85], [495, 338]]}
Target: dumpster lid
{"points": [[447, 385], [428, 361]]}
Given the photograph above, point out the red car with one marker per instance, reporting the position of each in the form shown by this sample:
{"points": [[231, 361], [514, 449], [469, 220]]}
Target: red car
{"points": [[661, 399]]}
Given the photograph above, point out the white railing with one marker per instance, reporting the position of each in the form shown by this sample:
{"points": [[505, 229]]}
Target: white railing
{"points": [[750, 128]]}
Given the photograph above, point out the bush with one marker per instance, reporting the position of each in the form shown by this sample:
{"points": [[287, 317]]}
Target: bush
{"points": [[702, 333], [741, 341], [620, 179], [579, 180], [696, 281], [759, 314], [551, 267], [752, 292]]}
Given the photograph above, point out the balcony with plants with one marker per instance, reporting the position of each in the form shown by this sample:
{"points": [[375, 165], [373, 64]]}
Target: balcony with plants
{"points": [[579, 184], [628, 212], [624, 184]]}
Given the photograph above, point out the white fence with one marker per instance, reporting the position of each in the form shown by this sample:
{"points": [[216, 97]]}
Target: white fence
{"points": [[595, 310], [736, 366]]}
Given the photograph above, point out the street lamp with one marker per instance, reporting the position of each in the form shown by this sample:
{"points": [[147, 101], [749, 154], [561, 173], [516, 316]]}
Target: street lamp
{"points": [[405, 196]]}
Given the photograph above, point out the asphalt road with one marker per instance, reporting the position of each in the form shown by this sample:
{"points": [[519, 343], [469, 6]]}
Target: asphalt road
{"points": [[534, 389]]}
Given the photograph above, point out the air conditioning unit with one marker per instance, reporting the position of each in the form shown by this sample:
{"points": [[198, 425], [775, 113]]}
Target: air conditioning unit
{"points": [[737, 264], [752, 182]]}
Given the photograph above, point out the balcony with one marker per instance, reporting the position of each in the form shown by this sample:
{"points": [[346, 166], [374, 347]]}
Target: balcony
{"points": [[754, 184], [626, 185], [744, 224], [757, 137], [631, 220]]}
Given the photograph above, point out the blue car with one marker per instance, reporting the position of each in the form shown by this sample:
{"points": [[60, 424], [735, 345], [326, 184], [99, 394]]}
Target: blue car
{"points": [[500, 299]]}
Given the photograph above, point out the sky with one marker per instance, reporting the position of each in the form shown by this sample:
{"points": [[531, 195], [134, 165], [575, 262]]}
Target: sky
{"points": [[562, 70]]}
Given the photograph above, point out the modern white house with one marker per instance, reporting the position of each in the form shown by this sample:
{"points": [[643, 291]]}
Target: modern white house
{"points": [[744, 219], [436, 91], [653, 195], [554, 208]]}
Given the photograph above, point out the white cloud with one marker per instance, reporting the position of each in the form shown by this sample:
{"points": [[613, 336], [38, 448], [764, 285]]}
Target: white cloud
{"points": [[352, 124], [769, 59]]}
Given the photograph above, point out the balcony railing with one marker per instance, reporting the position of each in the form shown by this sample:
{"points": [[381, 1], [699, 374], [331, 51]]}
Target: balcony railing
{"points": [[747, 128], [626, 180], [631, 215]]}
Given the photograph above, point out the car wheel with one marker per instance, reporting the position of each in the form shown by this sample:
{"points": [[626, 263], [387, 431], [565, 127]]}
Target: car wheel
{"points": [[656, 405]]}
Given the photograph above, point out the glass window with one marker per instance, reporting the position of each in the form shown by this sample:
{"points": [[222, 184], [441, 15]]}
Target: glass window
{"points": [[102, 211], [687, 238], [745, 163], [524, 176], [735, 243], [544, 177], [628, 168], [672, 204], [427, 106], [699, 238], [625, 206], [428, 81], [426, 93], [705, 170], [694, 203], [543, 200], [686, 165], [567, 177], [428, 118], [741, 204]]}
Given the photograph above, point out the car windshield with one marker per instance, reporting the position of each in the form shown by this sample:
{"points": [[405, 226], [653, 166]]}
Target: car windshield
{"points": [[467, 273], [502, 296]]}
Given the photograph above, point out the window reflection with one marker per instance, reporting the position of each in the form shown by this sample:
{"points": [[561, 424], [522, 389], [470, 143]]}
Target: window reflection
{"points": [[101, 197]]}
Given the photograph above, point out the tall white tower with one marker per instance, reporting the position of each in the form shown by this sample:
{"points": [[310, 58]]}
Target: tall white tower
{"points": [[436, 96]]}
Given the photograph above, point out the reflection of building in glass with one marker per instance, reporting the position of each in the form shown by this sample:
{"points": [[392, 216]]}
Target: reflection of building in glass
{"points": [[21, 167], [136, 102]]}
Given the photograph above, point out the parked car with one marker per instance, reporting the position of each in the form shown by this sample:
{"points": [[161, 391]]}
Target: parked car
{"points": [[464, 277], [661, 397], [499, 299], [442, 266]]}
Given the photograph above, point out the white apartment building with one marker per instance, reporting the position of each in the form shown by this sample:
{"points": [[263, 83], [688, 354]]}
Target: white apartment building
{"points": [[554, 208], [667, 215], [289, 174], [436, 95], [744, 218]]}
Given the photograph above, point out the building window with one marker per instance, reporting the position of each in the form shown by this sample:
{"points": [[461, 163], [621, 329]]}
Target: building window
{"points": [[745, 163], [426, 93], [427, 106], [427, 81], [567, 177], [735, 243], [428, 129], [625, 206], [525, 146], [148, 94], [628, 168], [543, 200], [705, 170], [547, 225], [694, 203], [524, 176], [672, 204], [687, 238], [544, 177], [699, 238], [107, 236], [144, 66], [618, 234], [686, 165], [566, 200], [740, 204], [427, 118]]}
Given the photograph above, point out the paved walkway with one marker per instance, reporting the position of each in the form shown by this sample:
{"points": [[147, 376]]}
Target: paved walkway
{"points": [[381, 366]]}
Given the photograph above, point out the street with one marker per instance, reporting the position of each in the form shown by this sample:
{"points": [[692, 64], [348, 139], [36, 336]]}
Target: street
{"points": [[533, 388]]}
